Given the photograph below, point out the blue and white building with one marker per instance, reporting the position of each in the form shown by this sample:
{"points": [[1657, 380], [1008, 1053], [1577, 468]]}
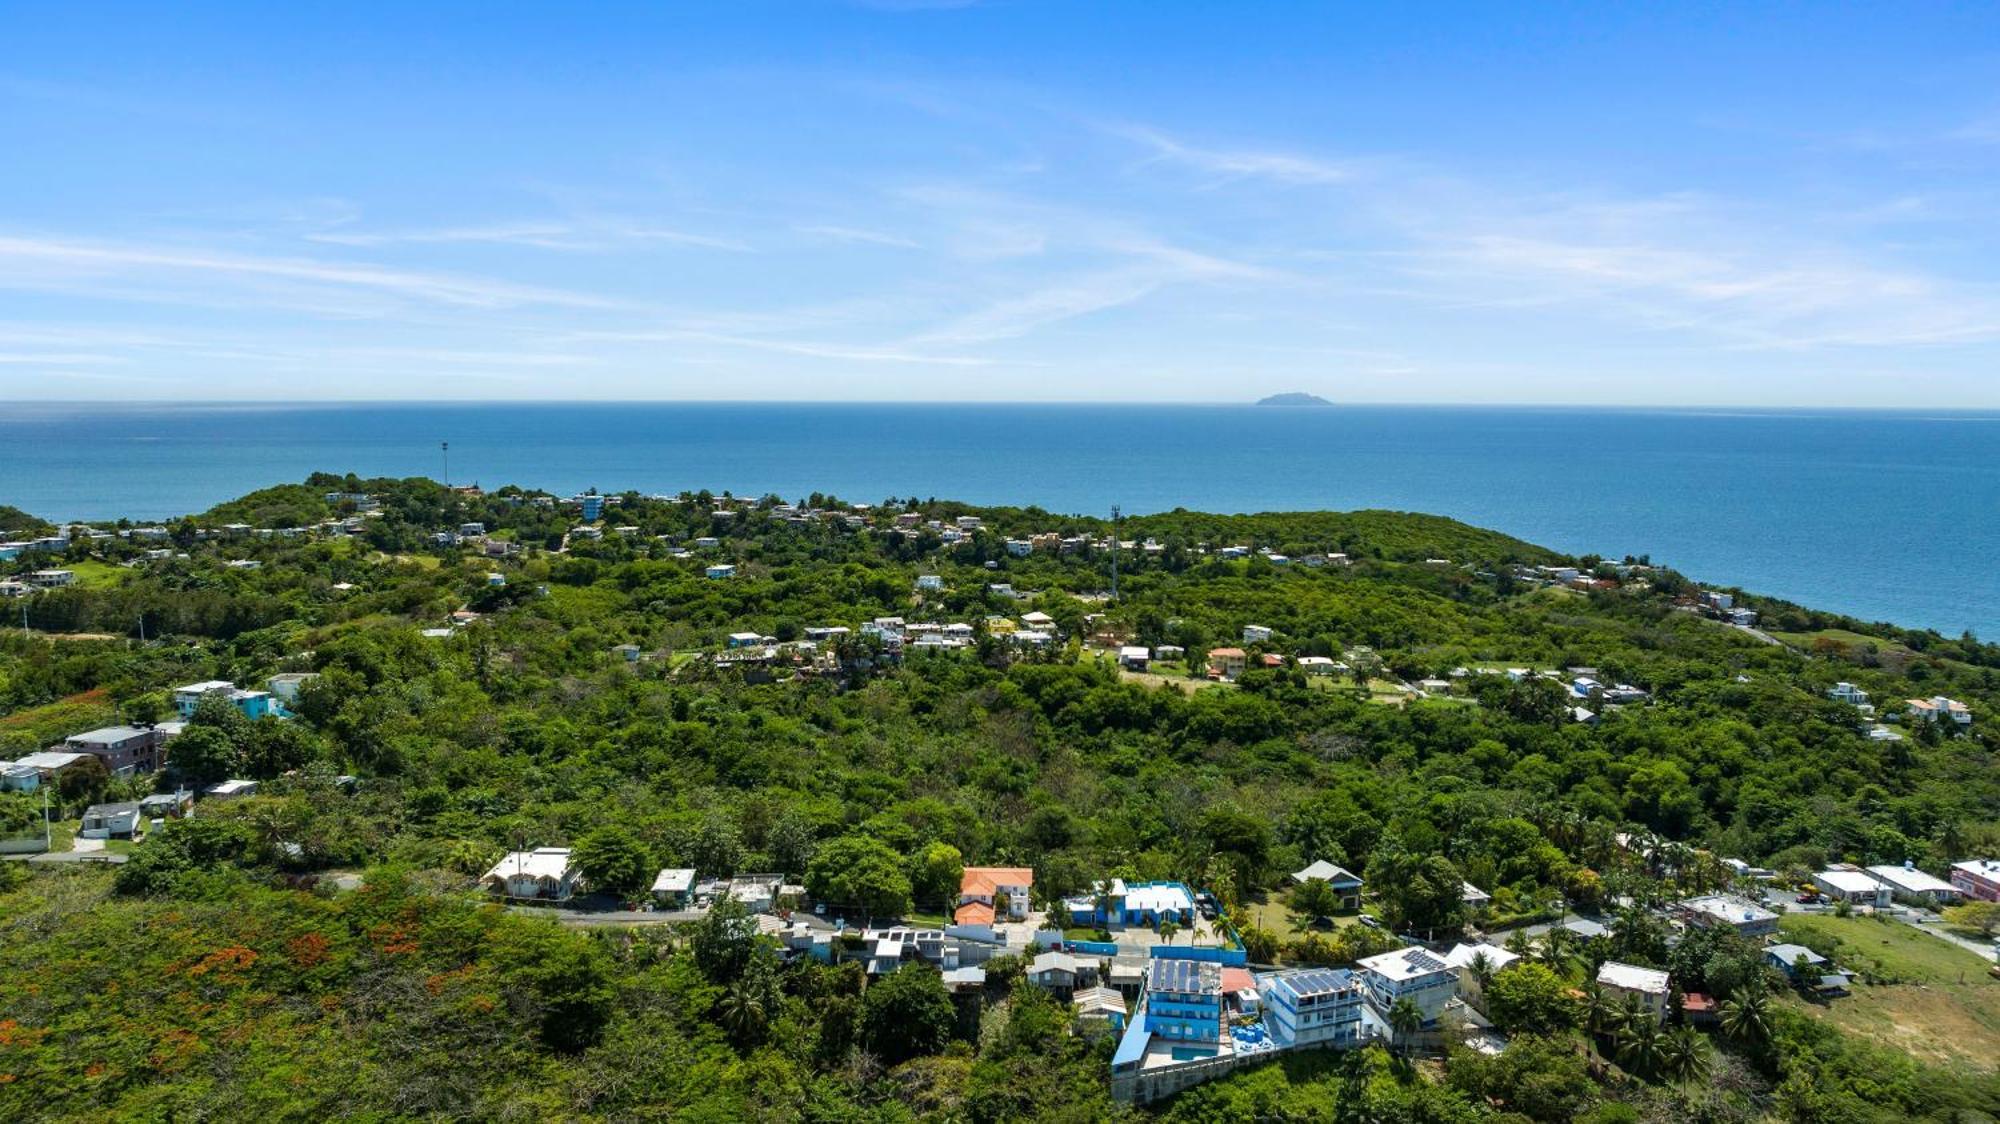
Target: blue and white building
{"points": [[1313, 1007], [1184, 1000], [1134, 903], [1416, 974]]}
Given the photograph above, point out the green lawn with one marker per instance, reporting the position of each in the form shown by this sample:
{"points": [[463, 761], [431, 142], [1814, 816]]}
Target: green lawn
{"points": [[1889, 951], [1272, 914], [92, 574], [1936, 1001]]}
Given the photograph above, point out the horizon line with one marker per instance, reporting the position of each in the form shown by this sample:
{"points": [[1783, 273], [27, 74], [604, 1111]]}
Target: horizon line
{"points": [[304, 404]]}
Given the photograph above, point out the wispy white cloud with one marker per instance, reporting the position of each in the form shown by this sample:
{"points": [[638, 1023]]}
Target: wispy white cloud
{"points": [[856, 234], [56, 359], [1233, 164], [538, 235], [860, 353], [34, 262]]}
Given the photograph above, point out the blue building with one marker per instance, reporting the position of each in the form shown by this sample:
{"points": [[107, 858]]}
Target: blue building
{"points": [[593, 508], [253, 704], [1137, 903], [1312, 1007], [1184, 1000]]}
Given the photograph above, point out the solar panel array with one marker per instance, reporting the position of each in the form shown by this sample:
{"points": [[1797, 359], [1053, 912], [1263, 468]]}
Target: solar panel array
{"points": [[1423, 961], [1185, 975], [1317, 981]]}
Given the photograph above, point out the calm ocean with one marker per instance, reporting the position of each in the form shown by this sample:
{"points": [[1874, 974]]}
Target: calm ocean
{"points": [[1885, 515]]}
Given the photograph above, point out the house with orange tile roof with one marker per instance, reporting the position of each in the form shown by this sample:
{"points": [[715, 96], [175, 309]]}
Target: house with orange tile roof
{"points": [[981, 888], [1225, 663]]}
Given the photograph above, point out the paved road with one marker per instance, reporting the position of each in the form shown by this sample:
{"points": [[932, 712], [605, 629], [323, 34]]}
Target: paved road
{"points": [[1976, 947], [609, 916], [112, 857]]}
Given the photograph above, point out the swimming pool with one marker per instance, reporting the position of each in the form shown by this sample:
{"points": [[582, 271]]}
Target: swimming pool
{"points": [[1191, 1053]]}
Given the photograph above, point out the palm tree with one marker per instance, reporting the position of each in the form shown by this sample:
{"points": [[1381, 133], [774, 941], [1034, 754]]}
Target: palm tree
{"points": [[1167, 931], [1639, 1043], [1746, 1017], [1481, 968], [1685, 1055], [1558, 947], [1518, 942], [1602, 1015], [1405, 1019], [742, 1011]]}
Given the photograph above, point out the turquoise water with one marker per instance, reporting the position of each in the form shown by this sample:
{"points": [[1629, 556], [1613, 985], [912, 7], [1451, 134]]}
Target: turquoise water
{"points": [[1191, 1053], [1885, 515]]}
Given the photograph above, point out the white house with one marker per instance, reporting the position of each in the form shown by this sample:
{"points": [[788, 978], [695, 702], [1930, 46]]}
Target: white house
{"points": [[1848, 693], [544, 873], [1313, 1007], [1938, 707], [930, 583], [1852, 886], [1416, 974], [1911, 884], [674, 886], [1727, 911], [111, 821], [1133, 657], [1649, 984], [1255, 634], [1464, 956]]}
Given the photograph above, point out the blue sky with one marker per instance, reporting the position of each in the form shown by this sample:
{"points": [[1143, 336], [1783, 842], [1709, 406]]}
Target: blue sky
{"points": [[1005, 201]]}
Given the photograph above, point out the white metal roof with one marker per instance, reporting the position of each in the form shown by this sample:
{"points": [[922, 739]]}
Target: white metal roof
{"points": [[1911, 880], [1631, 977], [674, 881], [542, 862], [1405, 964], [1847, 881]]}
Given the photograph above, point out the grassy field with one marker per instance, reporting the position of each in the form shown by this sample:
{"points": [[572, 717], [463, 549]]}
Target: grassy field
{"points": [[1936, 1000], [91, 574], [1272, 914]]}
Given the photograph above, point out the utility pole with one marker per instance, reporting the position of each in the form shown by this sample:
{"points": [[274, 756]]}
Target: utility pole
{"points": [[142, 628], [1114, 552], [444, 450]]}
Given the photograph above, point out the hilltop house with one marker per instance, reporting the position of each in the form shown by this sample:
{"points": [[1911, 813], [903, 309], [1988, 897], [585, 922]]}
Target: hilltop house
{"points": [[1851, 885], [1728, 911], [125, 750], [253, 704], [982, 888], [1344, 882], [1907, 883], [1184, 1000], [1225, 663], [674, 887], [1978, 879], [1937, 708], [111, 821], [1416, 974], [1312, 1007], [1624, 980], [545, 873], [1119, 904]]}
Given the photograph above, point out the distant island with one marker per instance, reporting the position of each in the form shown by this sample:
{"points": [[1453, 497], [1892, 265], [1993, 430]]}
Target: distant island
{"points": [[1294, 398]]}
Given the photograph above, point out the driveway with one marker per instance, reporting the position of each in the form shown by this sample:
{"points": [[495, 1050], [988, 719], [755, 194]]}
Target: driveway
{"points": [[1936, 929]]}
